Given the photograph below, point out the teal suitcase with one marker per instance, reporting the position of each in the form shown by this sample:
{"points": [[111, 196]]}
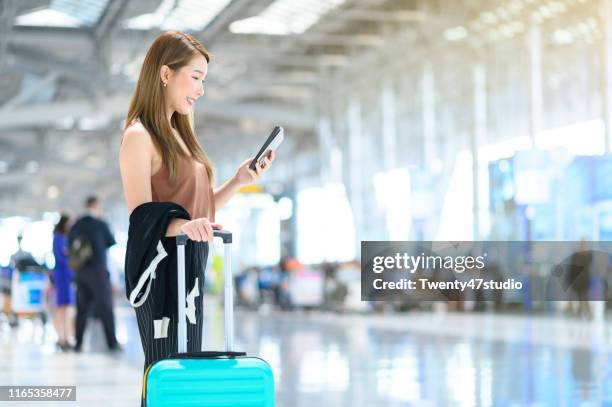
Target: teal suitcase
{"points": [[209, 379]]}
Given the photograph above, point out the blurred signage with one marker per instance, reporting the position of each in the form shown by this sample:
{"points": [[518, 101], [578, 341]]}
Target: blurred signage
{"points": [[532, 177], [251, 189]]}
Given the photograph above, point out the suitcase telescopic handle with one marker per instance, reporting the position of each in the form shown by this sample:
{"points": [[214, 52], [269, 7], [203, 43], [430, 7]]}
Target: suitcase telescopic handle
{"points": [[228, 290], [225, 235]]}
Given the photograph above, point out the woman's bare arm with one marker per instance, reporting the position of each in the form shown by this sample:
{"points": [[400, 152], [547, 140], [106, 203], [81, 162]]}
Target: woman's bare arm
{"points": [[244, 176], [225, 192], [135, 158]]}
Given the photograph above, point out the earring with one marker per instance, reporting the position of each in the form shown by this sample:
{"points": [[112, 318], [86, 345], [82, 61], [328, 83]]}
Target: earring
{"points": [[165, 84]]}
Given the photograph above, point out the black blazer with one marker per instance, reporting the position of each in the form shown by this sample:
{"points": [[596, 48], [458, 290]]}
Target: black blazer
{"points": [[151, 263]]}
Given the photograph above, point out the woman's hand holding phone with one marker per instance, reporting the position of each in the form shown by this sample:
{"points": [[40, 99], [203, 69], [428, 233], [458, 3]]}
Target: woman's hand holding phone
{"points": [[246, 176]]}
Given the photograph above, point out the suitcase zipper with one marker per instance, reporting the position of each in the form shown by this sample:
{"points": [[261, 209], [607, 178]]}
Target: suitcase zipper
{"points": [[144, 382]]}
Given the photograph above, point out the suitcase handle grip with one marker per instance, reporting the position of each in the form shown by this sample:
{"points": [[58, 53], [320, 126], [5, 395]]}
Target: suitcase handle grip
{"points": [[225, 235]]}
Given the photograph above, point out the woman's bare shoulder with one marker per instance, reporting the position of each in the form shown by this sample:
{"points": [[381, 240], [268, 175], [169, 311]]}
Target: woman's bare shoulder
{"points": [[137, 138], [136, 141], [136, 132]]}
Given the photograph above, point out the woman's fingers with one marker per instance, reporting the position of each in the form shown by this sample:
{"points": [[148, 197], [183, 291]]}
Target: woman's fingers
{"points": [[267, 163], [200, 230], [209, 231], [197, 232], [203, 231], [206, 229], [194, 232]]}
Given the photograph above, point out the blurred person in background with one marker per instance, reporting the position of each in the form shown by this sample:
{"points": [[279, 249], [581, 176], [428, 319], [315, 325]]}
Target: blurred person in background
{"points": [[22, 259], [579, 280], [335, 290], [282, 297], [93, 278], [61, 278]]}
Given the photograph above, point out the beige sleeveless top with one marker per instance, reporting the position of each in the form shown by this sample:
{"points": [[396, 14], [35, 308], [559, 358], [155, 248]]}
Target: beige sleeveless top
{"points": [[191, 189]]}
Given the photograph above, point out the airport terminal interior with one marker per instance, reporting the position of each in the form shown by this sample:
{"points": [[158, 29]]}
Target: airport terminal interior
{"points": [[404, 120]]}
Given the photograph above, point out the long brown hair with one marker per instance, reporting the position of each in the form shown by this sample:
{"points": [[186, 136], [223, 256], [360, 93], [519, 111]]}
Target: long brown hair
{"points": [[173, 49], [61, 227]]}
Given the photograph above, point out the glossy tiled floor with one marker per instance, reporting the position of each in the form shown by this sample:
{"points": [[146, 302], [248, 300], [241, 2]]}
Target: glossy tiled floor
{"points": [[321, 360]]}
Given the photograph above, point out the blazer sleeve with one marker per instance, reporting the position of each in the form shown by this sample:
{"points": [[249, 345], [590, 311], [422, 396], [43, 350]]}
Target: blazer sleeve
{"points": [[145, 251]]}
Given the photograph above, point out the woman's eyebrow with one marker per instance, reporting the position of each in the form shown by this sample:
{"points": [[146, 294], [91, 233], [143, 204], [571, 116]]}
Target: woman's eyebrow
{"points": [[197, 70]]}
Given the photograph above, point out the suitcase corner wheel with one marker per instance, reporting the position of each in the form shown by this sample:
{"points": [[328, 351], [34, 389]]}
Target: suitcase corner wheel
{"points": [[222, 379]]}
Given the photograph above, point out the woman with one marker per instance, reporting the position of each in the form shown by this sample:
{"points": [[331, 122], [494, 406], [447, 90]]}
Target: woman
{"points": [[167, 181], [62, 281]]}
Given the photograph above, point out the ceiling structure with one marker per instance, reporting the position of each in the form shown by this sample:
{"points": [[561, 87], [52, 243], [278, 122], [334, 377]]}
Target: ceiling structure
{"points": [[68, 68]]}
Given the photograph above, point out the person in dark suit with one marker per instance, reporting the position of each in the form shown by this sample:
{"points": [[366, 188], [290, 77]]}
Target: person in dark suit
{"points": [[93, 279], [579, 280]]}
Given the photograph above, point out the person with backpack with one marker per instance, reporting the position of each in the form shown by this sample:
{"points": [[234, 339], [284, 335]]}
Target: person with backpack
{"points": [[88, 240]]}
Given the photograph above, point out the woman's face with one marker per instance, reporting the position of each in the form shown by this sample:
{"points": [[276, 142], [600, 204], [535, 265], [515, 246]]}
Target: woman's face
{"points": [[186, 85]]}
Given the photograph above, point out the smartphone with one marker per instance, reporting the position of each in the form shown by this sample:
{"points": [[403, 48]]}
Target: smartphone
{"points": [[271, 144]]}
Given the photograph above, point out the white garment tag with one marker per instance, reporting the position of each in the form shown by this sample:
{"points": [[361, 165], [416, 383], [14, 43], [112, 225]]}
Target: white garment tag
{"points": [[160, 328]]}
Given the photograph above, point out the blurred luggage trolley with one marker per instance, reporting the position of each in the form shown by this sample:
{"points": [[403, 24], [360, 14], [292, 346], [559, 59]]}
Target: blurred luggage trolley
{"points": [[24, 291]]}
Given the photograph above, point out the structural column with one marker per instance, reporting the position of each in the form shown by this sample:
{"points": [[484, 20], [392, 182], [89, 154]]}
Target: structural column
{"points": [[535, 82], [389, 128], [429, 115], [479, 136], [424, 227], [325, 147], [356, 174], [606, 15], [8, 10], [330, 153]]}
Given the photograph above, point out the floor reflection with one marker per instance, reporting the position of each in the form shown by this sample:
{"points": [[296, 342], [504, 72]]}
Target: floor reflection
{"points": [[347, 360]]}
